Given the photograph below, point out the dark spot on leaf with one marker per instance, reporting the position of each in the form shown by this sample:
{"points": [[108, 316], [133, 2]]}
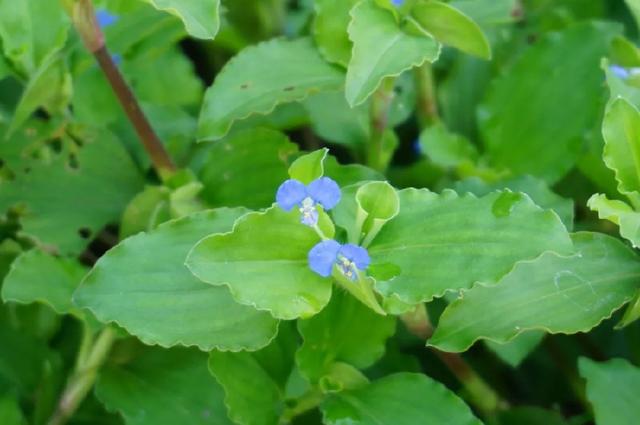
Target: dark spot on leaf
{"points": [[289, 88], [27, 170], [56, 145], [244, 86], [1, 162], [397, 90], [84, 232]]}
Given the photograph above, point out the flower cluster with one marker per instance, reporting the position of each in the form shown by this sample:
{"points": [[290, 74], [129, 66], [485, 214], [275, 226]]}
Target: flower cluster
{"points": [[325, 255]]}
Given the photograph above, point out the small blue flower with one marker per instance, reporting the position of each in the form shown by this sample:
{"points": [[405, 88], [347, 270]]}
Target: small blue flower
{"points": [[322, 191], [619, 71], [348, 258], [105, 18], [117, 59], [397, 3]]}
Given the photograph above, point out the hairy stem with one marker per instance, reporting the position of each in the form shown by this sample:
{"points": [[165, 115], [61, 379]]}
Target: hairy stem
{"points": [[379, 116], [84, 376], [84, 20], [479, 392]]}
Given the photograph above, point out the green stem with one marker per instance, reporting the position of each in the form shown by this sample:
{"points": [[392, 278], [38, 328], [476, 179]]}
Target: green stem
{"points": [[427, 110], [379, 117], [305, 403], [87, 365], [479, 392]]}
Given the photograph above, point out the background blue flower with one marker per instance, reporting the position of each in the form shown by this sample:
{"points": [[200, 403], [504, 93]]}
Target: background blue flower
{"points": [[105, 18]]}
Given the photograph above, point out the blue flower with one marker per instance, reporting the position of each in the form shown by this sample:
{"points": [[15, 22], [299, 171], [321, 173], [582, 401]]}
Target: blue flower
{"points": [[397, 2], [348, 258], [117, 59], [322, 191], [105, 18], [619, 71]]}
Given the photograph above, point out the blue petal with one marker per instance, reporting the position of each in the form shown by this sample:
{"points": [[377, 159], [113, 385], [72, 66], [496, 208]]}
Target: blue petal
{"points": [[105, 18], [323, 256], [325, 192], [397, 2], [357, 254], [290, 193], [117, 59], [619, 71]]}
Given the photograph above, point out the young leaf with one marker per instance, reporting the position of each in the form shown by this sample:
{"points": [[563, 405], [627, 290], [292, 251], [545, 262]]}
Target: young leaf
{"points": [[10, 413], [620, 213], [445, 243], [612, 388], [451, 27], [163, 387], [621, 131], [523, 107], [516, 350], [330, 29], [446, 149], [262, 77], [246, 168], [381, 48], [36, 276], [399, 399], [554, 293], [345, 331], [143, 285], [254, 383], [264, 263], [200, 17], [309, 167]]}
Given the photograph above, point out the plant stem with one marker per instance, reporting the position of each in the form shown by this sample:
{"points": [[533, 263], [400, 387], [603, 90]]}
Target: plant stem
{"points": [[308, 401], [84, 20], [427, 110], [84, 376], [479, 392], [379, 116]]}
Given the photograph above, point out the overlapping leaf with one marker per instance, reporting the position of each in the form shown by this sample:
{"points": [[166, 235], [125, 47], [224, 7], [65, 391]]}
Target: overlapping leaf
{"points": [[554, 293], [263, 261], [200, 17], [445, 242], [143, 285]]}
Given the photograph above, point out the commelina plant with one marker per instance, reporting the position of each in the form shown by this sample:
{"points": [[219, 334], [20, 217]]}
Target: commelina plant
{"points": [[362, 212]]}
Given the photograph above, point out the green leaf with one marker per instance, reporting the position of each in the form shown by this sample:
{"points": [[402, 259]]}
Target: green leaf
{"points": [[263, 261], [488, 12], [619, 213], [528, 415], [200, 17], [10, 413], [254, 383], [309, 167], [446, 149], [381, 48], [330, 29], [36, 276], [261, 77], [46, 190], [634, 6], [143, 285], [612, 388], [632, 312], [164, 387], [451, 27], [553, 293], [48, 87], [349, 174], [621, 131], [31, 30], [246, 168], [522, 109], [535, 188], [345, 331], [516, 350], [146, 211], [445, 242], [399, 399]]}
